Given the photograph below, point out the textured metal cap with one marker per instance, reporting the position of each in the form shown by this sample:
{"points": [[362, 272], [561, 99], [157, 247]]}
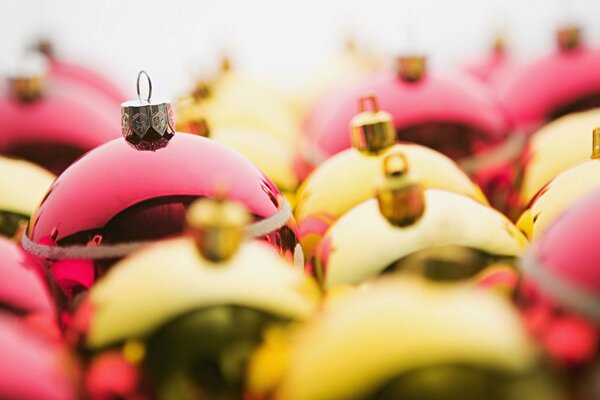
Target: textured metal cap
{"points": [[217, 227], [26, 83], [400, 196], [568, 38], [147, 124], [411, 68], [371, 131]]}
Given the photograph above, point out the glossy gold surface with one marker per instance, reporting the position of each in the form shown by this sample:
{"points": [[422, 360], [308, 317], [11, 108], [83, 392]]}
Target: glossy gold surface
{"points": [[400, 195], [217, 227], [557, 147], [366, 338], [24, 183], [27, 89], [371, 130], [559, 194], [568, 37], [412, 68], [350, 177], [170, 278], [273, 156], [363, 243]]}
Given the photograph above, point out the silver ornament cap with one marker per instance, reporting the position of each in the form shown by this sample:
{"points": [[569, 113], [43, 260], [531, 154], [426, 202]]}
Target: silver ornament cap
{"points": [[147, 124]]}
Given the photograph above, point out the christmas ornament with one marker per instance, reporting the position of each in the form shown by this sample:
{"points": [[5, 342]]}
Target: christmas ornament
{"points": [[234, 100], [560, 295], [405, 339], [126, 193], [49, 124], [556, 147], [272, 155], [376, 235], [25, 185], [455, 116], [221, 299], [32, 367], [496, 60], [349, 177], [555, 85], [561, 192], [352, 63], [63, 70], [22, 289]]}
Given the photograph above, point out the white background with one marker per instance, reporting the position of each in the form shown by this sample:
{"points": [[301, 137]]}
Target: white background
{"points": [[178, 41]]}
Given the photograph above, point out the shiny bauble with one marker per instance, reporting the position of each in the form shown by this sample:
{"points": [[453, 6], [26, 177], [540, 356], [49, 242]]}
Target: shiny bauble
{"points": [[560, 293], [129, 192], [25, 185], [556, 147], [405, 339], [23, 290], [31, 367], [560, 83], [51, 122], [454, 115], [221, 298], [350, 177], [406, 218], [61, 69], [562, 191]]}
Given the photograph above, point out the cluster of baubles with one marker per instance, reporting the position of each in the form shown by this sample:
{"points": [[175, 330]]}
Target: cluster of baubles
{"points": [[352, 241]]}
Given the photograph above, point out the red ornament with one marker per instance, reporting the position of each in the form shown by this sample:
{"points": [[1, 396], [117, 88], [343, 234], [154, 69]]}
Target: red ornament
{"points": [[565, 81], [32, 367], [126, 193], [455, 116], [52, 123]]}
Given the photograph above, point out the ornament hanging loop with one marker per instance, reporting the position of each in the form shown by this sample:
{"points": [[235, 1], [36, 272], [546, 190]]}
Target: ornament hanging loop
{"points": [[142, 72]]}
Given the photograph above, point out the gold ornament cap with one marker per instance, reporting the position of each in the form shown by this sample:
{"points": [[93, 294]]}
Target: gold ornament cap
{"points": [[400, 196], [596, 144], [371, 131], [568, 38], [27, 83], [217, 227], [147, 124], [411, 68]]}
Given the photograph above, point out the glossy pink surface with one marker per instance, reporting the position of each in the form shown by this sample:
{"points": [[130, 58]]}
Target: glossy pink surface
{"points": [[31, 367], [538, 90], [434, 99], [56, 129], [21, 287], [569, 248], [88, 77]]}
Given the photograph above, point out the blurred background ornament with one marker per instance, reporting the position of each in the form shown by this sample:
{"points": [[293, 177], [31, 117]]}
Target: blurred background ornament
{"points": [[52, 123], [561, 192], [560, 295], [408, 339]]}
